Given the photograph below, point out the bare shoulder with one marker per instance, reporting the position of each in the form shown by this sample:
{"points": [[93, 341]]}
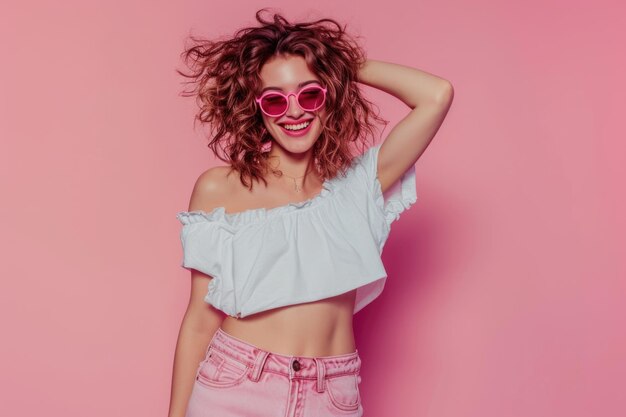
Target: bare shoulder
{"points": [[210, 189]]}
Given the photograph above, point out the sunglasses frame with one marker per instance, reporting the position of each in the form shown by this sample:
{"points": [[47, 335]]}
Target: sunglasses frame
{"points": [[295, 93]]}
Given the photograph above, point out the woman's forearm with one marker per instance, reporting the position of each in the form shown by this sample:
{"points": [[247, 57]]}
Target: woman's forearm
{"points": [[190, 350], [411, 85]]}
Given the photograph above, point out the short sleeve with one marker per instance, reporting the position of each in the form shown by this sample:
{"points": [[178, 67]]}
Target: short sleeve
{"points": [[207, 247], [201, 243], [399, 197]]}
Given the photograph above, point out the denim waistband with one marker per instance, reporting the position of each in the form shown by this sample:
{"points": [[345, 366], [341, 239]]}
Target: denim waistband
{"points": [[294, 367]]}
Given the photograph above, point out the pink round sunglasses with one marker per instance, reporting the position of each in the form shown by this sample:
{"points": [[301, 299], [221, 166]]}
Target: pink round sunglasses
{"points": [[275, 103]]}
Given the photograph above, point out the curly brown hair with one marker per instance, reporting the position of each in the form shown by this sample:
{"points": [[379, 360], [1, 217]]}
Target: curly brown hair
{"points": [[225, 76]]}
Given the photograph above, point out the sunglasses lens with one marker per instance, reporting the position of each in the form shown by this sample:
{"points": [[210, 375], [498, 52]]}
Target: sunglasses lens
{"points": [[311, 98], [274, 104]]}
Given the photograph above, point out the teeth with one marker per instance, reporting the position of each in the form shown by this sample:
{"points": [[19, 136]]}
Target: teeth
{"points": [[297, 127]]}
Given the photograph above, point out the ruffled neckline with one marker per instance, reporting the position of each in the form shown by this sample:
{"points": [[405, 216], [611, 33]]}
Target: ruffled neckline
{"points": [[255, 215]]}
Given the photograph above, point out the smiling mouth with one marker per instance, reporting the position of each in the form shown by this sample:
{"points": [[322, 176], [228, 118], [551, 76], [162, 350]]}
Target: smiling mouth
{"points": [[297, 126]]}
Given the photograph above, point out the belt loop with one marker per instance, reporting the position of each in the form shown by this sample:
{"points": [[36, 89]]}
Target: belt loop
{"points": [[259, 362], [290, 368], [321, 374]]}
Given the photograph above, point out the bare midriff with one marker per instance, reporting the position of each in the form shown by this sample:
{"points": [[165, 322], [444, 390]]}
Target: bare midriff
{"points": [[319, 328]]}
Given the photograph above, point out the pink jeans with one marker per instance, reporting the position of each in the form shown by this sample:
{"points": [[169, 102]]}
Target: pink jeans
{"points": [[239, 379]]}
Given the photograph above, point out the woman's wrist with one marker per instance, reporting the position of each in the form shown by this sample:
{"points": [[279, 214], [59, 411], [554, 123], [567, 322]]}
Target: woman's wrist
{"points": [[361, 73]]}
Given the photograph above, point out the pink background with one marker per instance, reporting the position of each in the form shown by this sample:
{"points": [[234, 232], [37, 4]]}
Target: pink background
{"points": [[506, 286]]}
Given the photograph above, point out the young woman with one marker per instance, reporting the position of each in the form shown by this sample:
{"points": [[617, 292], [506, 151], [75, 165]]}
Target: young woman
{"points": [[284, 243]]}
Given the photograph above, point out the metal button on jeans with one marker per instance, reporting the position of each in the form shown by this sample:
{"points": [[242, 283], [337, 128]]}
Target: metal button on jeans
{"points": [[296, 365]]}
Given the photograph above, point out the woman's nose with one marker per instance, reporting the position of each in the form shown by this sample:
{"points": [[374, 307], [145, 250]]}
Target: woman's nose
{"points": [[294, 108]]}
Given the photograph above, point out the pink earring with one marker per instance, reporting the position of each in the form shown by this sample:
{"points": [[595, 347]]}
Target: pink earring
{"points": [[267, 146]]}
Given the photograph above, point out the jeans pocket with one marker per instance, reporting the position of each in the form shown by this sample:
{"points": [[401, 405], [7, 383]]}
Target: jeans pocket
{"points": [[220, 370], [343, 391]]}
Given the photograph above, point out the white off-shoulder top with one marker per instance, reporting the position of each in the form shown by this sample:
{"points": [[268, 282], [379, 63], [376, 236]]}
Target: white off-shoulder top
{"points": [[262, 259]]}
